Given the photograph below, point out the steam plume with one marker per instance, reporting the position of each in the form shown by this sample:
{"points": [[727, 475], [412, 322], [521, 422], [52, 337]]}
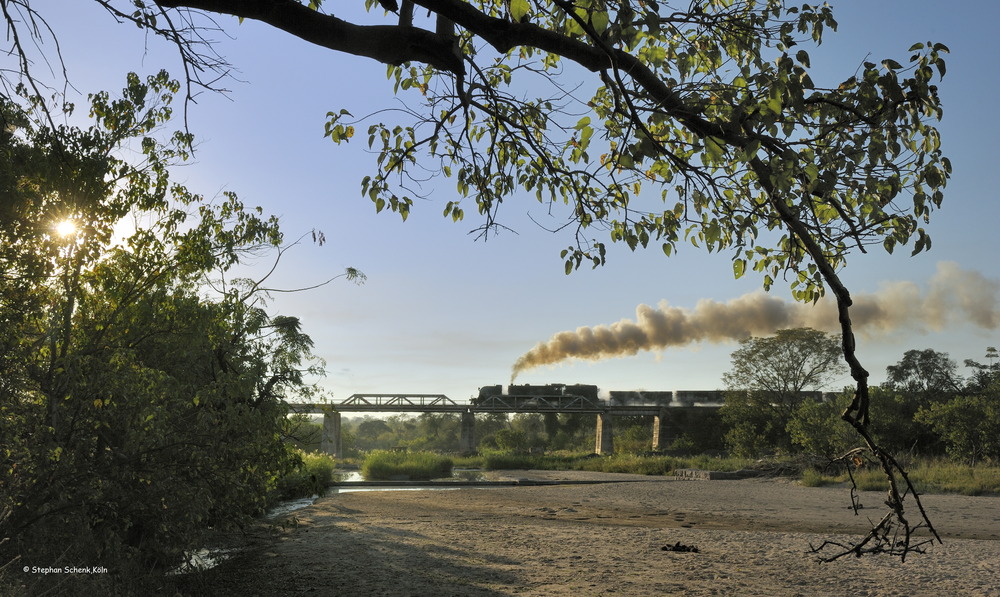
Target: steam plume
{"points": [[954, 295]]}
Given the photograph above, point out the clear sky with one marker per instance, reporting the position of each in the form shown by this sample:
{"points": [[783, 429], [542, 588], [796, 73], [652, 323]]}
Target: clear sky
{"points": [[441, 313]]}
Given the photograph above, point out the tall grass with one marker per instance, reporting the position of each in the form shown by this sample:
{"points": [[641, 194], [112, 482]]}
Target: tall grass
{"points": [[937, 475], [382, 464], [928, 476], [616, 463]]}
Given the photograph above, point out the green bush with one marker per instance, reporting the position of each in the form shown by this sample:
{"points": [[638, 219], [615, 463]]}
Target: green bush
{"points": [[382, 464], [818, 428], [310, 476], [969, 426]]}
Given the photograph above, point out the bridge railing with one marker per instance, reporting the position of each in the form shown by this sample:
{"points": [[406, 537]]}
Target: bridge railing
{"points": [[387, 400]]}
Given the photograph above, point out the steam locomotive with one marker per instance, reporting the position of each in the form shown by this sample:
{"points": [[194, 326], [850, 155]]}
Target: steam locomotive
{"points": [[534, 394]]}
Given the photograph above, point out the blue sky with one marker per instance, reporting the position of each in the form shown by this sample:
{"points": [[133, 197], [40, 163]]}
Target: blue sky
{"points": [[441, 313]]}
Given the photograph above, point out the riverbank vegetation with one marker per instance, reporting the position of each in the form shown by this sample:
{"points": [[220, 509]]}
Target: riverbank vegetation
{"points": [[636, 464], [402, 465], [930, 475], [311, 473], [142, 380]]}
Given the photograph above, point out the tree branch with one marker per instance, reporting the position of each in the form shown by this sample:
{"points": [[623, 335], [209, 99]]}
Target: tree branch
{"points": [[389, 44]]}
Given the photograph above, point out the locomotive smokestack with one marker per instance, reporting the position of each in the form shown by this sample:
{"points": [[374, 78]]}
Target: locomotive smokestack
{"points": [[954, 295]]}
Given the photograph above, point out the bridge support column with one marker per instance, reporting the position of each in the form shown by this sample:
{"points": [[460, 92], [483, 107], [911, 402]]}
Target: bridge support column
{"points": [[332, 442], [467, 440], [660, 423], [605, 443]]}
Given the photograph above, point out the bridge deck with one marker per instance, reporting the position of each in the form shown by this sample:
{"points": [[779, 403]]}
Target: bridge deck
{"points": [[439, 403]]}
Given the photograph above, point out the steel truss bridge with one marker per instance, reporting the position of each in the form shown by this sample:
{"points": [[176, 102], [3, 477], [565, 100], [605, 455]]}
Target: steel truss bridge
{"points": [[439, 403]]}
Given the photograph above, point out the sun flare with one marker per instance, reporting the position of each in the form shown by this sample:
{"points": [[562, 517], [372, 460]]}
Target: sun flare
{"points": [[66, 228]]}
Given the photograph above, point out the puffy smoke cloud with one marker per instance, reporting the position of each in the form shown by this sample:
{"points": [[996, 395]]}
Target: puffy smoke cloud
{"points": [[953, 296]]}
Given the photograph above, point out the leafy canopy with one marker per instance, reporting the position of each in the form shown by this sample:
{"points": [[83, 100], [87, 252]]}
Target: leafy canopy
{"points": [[142, 401], [641, 122], [701, 125]]}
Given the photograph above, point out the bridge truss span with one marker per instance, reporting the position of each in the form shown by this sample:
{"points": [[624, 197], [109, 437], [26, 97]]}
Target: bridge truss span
{"points": [[400, 403], [439, 403]]}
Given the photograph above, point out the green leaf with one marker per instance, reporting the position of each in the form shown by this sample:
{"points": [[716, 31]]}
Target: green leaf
{"points": [[739, 268], [599, 21], [714, 150], [519, 9]]}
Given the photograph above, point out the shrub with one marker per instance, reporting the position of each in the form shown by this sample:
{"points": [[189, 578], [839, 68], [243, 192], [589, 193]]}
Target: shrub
{"points": [[969, 426], [382, 464], [510, 460], [818, 428], [310, 476]]}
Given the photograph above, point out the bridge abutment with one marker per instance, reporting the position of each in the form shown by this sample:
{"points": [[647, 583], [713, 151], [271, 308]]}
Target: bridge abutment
{"points": [[332, 441], [660, 423], [467, 438], [605, 443]]}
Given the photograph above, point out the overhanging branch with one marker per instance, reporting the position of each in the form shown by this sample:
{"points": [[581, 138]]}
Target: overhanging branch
{"points": [[389, 44]]}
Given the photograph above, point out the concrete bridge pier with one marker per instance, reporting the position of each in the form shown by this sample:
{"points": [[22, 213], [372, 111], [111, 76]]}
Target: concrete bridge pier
{"points": [[467, 439], [660, 423], [332, 440], [605, 443]]}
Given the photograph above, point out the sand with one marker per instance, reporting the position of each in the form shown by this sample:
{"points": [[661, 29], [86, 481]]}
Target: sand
{"points": [[752, 536]]}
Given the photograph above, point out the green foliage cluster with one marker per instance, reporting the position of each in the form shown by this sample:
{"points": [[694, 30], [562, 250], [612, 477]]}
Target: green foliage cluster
{"points": [[768, 385], [391, 465], [304, 434], [141, 387], [924, 407], [311, 474], [969, 426], [497, 431], [429, 431]]}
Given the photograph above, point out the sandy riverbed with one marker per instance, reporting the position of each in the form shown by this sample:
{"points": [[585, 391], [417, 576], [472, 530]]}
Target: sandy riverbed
{"points": [[753, 538]]}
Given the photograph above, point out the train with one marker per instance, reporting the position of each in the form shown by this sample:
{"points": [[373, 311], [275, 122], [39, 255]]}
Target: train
{"points": [[666, 398], [535, 394], [528, 394]]}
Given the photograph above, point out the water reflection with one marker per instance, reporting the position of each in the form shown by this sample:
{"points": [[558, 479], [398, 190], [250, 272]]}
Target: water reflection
{"points": [[468, 474], [347, 477], [286, 506], [202, 559], [458, 474]]}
